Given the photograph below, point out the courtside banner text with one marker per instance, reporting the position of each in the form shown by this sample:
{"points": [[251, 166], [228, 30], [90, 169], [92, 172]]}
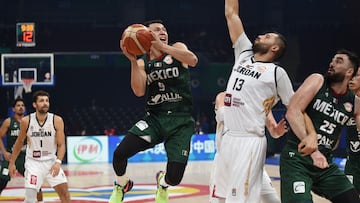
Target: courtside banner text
{"points": [[202, 148], [100, 149]]}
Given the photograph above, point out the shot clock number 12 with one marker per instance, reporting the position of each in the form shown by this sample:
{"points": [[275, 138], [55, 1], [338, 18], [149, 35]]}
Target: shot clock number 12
{"points": [[25, 34]]}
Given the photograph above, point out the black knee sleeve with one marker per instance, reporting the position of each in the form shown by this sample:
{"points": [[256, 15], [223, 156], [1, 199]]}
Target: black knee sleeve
{"points": [[3, 184], [174, 173], [129, 146], [350, 196]]}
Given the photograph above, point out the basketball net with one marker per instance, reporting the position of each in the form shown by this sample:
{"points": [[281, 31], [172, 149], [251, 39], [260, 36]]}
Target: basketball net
{"points": [[27, 84]]}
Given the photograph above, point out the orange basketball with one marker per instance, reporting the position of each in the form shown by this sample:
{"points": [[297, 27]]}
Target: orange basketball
{"points": [[137, 39]]}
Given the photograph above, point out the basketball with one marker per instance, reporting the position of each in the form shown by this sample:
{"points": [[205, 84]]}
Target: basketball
{"points": [[137, 39]]}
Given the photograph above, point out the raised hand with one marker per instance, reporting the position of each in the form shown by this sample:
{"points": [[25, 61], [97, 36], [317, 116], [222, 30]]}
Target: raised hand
{"points": [[280, 129], [126, 53]]}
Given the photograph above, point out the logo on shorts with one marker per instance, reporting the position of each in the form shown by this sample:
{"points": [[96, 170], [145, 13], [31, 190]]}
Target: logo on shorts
{"points": [[351, 178], [299, 187], [33, 180], [185, 153], [233, 192], [142, 125], [5, 171], [291, 154]]}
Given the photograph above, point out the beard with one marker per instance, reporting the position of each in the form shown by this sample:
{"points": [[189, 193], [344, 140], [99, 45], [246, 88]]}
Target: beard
{"points": [[43, 110], [260, 48], [20, 113], [334, 77]]}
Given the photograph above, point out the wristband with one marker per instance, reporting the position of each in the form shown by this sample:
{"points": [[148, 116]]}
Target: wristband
{"points": [[58, 161]]}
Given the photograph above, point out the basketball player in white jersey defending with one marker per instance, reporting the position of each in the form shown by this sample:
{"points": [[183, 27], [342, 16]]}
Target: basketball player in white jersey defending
{"points": [[268, 192], [253, 88], [45, 150]]}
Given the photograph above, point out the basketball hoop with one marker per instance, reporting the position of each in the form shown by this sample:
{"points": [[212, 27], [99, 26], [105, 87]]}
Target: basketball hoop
{"points": [[27, 83]]}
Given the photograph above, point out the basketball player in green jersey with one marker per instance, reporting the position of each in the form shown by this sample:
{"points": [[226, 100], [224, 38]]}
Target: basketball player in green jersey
{"points": [[10, 127], [162, 76], [330, 106], [352, 166]]}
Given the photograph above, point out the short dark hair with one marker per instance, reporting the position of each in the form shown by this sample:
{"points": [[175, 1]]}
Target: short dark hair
{"points": [[40, 93], [353, 57], [282, 43], [17, 100], [149, 22]]}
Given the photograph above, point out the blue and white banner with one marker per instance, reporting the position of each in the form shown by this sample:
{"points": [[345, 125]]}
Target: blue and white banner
{"points": [[100, 149], [202, 148]]}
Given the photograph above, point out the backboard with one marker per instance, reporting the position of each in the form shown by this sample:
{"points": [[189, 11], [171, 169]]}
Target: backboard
{"points": [[38, 67]]}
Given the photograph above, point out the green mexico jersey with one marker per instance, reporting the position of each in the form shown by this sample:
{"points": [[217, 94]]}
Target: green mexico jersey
{"points": [[12, 134], [329, 113], [168, 85], [353, 140]]}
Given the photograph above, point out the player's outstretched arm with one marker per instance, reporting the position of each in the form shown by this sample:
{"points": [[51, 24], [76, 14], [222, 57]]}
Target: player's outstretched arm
{"points": [[296, 109], [233, 20]]}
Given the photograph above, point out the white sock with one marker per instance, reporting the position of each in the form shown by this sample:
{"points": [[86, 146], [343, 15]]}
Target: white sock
{"points": [[162, 182], [121, 180]]}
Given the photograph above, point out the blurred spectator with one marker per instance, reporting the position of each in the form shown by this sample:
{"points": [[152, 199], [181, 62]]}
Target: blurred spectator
{"points": [[109, 132], [83, 132], [198, 129], [204, 123]]}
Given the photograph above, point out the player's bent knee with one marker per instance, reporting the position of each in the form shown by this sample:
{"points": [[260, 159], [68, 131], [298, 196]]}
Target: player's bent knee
{"points": [[63, 192], [174, 173], [172, 181], [349, 196], [30, 195]]}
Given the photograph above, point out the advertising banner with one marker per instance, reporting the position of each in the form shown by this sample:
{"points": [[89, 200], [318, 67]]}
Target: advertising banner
{"points": [[100, 149], [87, 149], [202, 148]]}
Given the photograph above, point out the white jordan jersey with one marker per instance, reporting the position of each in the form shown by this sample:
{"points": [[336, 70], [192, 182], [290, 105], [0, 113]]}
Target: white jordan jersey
{"points": [[251, 84], [41, 138]]}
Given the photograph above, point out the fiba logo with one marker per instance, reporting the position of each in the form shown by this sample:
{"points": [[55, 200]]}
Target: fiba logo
{"points": [[227, 100]]}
